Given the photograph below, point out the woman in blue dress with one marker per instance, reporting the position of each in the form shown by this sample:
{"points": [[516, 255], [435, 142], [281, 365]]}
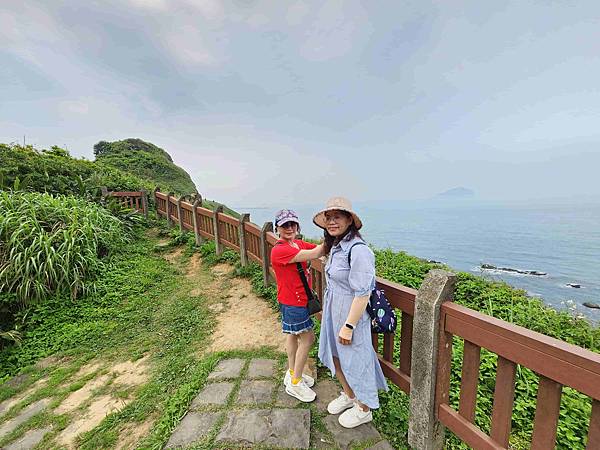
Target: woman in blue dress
{"points": [[345, 341]]}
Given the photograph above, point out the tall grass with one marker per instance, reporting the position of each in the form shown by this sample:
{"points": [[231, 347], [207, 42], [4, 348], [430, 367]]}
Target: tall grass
{"points": [[51, 244]]}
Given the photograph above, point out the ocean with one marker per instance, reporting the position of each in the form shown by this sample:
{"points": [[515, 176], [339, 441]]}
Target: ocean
{"points": [[561, 240]]}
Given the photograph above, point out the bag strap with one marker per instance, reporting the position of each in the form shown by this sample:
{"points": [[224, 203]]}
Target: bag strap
{"points": [[304, 280], [350, 251]]}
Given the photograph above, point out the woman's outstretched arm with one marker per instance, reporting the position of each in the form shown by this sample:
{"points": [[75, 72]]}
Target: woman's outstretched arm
{"points": [[307, 255]]}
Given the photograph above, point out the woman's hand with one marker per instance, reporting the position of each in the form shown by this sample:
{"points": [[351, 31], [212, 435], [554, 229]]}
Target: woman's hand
{"points": [[345, 336]]}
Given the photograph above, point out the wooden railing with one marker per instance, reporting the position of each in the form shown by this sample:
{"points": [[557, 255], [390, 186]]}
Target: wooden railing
{"points": [[136, 200], [556, 362]]}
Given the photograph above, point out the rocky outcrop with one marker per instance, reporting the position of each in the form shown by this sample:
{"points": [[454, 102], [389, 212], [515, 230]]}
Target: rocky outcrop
{"points": [[511, 270]]}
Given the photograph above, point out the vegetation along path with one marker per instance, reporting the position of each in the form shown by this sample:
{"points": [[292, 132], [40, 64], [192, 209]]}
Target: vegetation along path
{"points": [[177, 353]]}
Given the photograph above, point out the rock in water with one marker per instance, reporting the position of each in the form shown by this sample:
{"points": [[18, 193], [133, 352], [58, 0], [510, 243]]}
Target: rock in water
{"points": [[592, 305], [511, 270]]}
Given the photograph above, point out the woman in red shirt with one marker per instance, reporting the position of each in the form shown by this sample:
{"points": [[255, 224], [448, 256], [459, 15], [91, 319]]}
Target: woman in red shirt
{"points": [[293, 301]]}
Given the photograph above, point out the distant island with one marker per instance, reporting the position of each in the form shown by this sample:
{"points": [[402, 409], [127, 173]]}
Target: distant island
{"points": [[455, 194]]}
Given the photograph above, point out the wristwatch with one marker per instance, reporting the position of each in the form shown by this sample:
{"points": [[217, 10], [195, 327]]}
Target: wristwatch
{"points": [[349, 325]]}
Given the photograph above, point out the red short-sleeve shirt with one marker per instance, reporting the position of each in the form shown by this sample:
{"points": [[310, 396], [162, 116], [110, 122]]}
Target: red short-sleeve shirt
{"points": [[290, 290]]}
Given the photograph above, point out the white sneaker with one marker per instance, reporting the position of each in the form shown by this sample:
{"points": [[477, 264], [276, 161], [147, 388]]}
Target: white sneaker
{"points": [[301, 391], [355, 417], [341, 403], [287, 380]]}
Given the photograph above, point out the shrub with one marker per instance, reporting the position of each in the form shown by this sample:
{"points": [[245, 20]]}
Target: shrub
{"points": [[53, 244], [55, 172]]}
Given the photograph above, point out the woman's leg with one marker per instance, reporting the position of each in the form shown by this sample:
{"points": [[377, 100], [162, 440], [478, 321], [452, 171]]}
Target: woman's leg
{"points": [[339, 374], [291, 348], [305, 342]]}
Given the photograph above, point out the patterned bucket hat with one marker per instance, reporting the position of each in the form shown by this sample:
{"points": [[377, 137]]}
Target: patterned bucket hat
{"points": [[284, 216]]}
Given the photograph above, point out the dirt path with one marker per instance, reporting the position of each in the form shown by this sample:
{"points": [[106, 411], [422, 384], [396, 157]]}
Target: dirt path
{"points": [[246, 321]]}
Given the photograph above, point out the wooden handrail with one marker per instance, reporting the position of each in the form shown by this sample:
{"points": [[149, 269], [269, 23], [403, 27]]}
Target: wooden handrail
{"points": [[568, 364], [556, 362]]}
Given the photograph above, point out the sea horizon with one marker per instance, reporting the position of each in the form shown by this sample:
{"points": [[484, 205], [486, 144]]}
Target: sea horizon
{"points": [[557, 237]]}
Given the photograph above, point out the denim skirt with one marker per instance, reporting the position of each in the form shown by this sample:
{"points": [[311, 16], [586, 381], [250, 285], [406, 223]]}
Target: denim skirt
{"points": [[295, 319]]}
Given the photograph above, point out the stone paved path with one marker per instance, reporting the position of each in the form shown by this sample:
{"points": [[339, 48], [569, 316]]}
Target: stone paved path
{"points": [[244, 404], [31, 438]]}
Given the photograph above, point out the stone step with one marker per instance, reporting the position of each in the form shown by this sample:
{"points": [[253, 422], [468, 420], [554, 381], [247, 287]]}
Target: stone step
{"points": [[284, 428], [262, 368], [193, 428], [255, 392], [345, 438], [227, 368], [23, 416], [212, 394], [29, 440]]}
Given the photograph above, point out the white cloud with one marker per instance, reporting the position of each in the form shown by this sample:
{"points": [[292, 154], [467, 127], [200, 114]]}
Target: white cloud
{"points": [[419, 156], [210, 9], [258, 20], [240, 164], [336, 29], [297, 13], [153, 5], [188, 45], [68, 107], [28, 32], [410, 100]]}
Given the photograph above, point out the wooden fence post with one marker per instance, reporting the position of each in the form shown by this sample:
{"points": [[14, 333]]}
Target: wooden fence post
{"points": [[179, 213], [425, 432], [242, 233], [199, 238], [145, 203], [218, 246], [268, 226], [169, 221], [156, 189]]}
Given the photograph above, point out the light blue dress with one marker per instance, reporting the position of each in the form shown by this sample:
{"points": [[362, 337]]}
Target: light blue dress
{"points": [[358, 360]]}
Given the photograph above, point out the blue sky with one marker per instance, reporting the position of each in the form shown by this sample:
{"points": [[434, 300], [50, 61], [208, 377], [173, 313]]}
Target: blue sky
{"points": [[277, 102]]}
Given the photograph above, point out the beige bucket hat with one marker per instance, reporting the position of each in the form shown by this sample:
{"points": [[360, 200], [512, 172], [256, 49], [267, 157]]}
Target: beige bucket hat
{"points": [[336, 203]]}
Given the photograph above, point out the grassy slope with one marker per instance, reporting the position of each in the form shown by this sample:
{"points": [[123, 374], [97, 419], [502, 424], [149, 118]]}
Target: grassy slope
{"points": [[55, 172], [142, 307], [150, 162]]}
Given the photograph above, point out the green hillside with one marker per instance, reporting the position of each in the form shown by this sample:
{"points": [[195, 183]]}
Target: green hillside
{"points": [[147, 161], [54, 171]]}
